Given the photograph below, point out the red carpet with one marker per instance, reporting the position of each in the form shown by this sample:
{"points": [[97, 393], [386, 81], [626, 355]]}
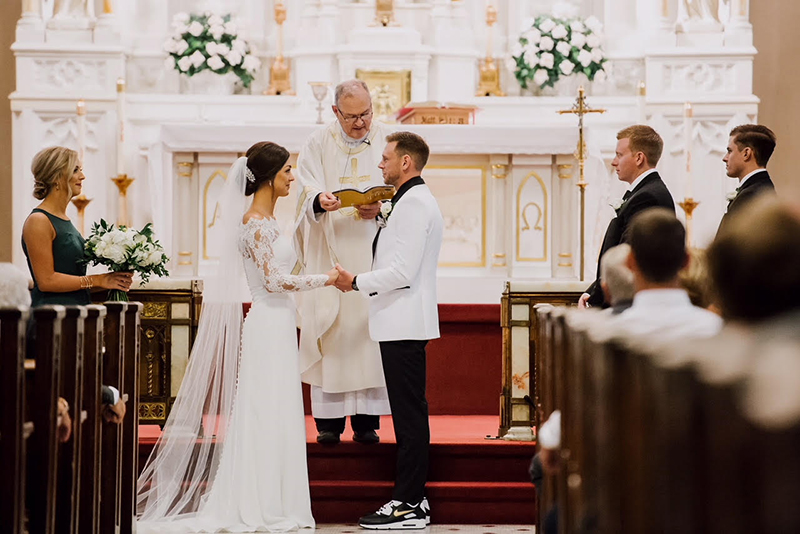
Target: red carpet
{"points": [[472, 480]]}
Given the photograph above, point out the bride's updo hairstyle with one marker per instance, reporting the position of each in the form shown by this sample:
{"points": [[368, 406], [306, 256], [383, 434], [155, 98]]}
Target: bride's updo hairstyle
{"points": [[264, 160]]}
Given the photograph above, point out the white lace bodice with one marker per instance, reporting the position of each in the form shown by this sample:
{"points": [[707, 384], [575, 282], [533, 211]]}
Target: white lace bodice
{"points": [[268, 261]]}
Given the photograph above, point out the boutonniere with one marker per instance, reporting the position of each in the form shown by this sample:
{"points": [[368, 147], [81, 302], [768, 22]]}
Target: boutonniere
{"points": [[383, 216], [617, 205], [730, 196]]}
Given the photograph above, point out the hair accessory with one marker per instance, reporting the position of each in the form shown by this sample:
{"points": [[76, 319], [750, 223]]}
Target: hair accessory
{"points": [[249, 174]]}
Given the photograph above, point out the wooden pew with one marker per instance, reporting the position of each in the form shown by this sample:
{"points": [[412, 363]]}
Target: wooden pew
{"points": [[42, 402], [71, 389], [13, 327], [90, 475], [111, 448], [130, 425]]}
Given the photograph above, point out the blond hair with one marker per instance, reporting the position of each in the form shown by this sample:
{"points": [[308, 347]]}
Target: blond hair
{"points": [[695, 279], [51, 165], [643, 139]]}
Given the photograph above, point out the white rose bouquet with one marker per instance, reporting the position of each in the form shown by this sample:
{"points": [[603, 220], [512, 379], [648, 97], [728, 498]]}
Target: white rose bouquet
{"points": [[209, 41], [553, 47], [123, 249]]}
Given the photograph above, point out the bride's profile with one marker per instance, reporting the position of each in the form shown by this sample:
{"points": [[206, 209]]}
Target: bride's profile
{"points": [[232, 456]]}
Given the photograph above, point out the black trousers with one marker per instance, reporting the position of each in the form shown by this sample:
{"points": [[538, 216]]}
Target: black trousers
{"points": [[358, 422], [404, 368]]}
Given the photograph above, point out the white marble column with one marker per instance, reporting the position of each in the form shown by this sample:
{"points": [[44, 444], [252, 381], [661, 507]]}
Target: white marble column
{"points": [[738, 30], [565, 214], [183, 238], [30, 26], [500, 219]]}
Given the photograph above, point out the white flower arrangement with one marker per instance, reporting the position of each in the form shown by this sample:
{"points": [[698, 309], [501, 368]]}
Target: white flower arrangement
{"points": [[553, 47], [209, 41], [124, 249], [383, 215]]}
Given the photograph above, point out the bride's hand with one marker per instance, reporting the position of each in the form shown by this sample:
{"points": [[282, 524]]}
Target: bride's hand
{"points": [[333, 274]]}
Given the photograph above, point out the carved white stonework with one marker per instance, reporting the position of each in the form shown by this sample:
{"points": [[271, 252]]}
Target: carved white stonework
{"points": [[492, 178], [70, 74]]}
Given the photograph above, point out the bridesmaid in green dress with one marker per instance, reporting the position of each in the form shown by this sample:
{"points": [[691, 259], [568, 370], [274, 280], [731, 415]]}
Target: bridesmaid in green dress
{"points": [[51, 243]]}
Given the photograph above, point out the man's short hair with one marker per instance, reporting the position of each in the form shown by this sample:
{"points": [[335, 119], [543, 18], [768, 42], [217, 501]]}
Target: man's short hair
{"points": [[658, 243], [755, 261], [614, 272], [411, 144], [348, 88], [644, 139], [760, 139]]}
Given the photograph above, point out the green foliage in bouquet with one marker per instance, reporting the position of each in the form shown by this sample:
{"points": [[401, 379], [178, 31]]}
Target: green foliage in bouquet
{"points": [[123, 249]]}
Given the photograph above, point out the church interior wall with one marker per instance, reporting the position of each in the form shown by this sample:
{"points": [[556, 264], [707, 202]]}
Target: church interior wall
{"points": [[775, 82], [8, 22]]}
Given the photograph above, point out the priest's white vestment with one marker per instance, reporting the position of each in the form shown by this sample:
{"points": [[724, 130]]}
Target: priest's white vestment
{"points": [[337, 356]]}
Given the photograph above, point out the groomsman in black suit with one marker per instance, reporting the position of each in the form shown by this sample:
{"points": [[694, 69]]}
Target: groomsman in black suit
{"points": [[638, 150], [749, 149]]}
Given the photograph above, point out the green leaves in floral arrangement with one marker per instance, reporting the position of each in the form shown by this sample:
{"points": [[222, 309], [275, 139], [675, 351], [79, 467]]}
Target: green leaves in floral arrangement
{"points": [[126, 249], [209, 41], [554, 47]]}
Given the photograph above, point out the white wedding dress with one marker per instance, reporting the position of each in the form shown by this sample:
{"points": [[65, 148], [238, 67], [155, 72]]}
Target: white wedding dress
{"points": [[261, 483]]}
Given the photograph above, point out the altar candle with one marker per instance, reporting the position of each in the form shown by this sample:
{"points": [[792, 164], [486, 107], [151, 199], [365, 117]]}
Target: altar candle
{"points": [[687, 133], [120, 126], [640, 103], [81, 110]]}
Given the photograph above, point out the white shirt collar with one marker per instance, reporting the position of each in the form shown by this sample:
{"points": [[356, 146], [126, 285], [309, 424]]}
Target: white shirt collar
{"points": [[661, 298], [349, 141], [741, 183], [639, 179]]}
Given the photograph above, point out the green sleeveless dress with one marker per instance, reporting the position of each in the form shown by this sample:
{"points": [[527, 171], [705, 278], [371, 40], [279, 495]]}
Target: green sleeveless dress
{"points": [[67, 250]]}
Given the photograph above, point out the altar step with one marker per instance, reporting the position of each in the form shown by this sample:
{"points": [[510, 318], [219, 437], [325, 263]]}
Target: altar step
{"points": [[471, 479]]}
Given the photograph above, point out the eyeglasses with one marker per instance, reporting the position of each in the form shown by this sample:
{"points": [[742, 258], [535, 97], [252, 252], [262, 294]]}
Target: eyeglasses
{"points": [[351, 119]]}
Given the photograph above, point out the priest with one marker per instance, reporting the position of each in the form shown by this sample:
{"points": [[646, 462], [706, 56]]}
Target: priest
{"points": [[337, 357]]}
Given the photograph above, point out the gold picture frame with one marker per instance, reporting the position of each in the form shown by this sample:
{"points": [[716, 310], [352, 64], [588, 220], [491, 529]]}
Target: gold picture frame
{"points": [[390, 90]]}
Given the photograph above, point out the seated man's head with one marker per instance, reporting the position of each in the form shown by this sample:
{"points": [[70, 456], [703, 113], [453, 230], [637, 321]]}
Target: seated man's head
{"points": [[615, 277], [658, 249], [755, 262]]}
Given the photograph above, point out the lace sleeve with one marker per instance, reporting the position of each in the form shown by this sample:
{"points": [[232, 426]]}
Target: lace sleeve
{"points": [[258, 246]]}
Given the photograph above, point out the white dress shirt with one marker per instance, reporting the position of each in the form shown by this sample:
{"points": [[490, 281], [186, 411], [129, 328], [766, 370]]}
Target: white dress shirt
{"points": [[639, 179], [667, 314], [743, 180]]}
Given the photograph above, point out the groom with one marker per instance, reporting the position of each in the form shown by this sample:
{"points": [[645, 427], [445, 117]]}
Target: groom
{"points": [[403, 316]]}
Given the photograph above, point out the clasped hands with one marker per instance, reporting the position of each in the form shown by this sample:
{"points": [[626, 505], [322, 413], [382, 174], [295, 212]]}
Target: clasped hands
{"points": [[343, 280], [330, 202]]}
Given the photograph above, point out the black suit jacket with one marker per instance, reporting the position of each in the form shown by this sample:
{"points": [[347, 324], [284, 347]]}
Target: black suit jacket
{"points": [[754, 186], [650, 193]]}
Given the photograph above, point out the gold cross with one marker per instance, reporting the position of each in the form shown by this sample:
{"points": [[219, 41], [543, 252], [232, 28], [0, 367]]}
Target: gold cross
{"points": [[354, 178], [580, 109]]}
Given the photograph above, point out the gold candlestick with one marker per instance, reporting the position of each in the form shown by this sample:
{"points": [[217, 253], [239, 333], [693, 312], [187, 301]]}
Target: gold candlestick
{"points": [[489, 84], [580, 109], [80, 202], [688, 205], [122, 181], [384, 13], [280, 82]]}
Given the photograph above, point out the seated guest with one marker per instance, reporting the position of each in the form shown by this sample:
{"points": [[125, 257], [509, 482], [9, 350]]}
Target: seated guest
{"points": [[617, 279], [749, 149], [661, 306], [696, 281], [755, 262]]}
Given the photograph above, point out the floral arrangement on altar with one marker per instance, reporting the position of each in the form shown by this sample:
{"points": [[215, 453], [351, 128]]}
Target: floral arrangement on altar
{"points": [[123, 249], [556, 46], [209, 42]]}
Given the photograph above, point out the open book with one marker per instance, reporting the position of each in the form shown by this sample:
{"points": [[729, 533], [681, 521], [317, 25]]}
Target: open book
{"points": [[356, 197]]}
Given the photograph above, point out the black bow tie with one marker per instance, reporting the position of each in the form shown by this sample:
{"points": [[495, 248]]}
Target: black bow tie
{"points": [[627, 195]]}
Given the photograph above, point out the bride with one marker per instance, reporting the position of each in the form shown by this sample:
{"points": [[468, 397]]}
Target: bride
{"points": [[232, 456]]}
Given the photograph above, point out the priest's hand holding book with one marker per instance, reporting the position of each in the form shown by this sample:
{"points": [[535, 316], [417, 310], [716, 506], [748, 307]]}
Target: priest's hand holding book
{"points": [[332, 202]]}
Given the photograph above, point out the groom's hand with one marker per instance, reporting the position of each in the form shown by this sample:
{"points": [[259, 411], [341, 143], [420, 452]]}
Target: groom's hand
{"points": [[345, 281], [369, 211]]}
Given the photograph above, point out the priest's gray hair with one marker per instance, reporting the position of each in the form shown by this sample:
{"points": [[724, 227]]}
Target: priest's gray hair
{"points": [[13, 287], [615, 273], [347, 88]]}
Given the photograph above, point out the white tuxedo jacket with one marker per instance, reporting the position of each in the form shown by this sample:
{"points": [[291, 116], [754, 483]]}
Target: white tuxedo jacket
{"points": [[402, 284]]}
